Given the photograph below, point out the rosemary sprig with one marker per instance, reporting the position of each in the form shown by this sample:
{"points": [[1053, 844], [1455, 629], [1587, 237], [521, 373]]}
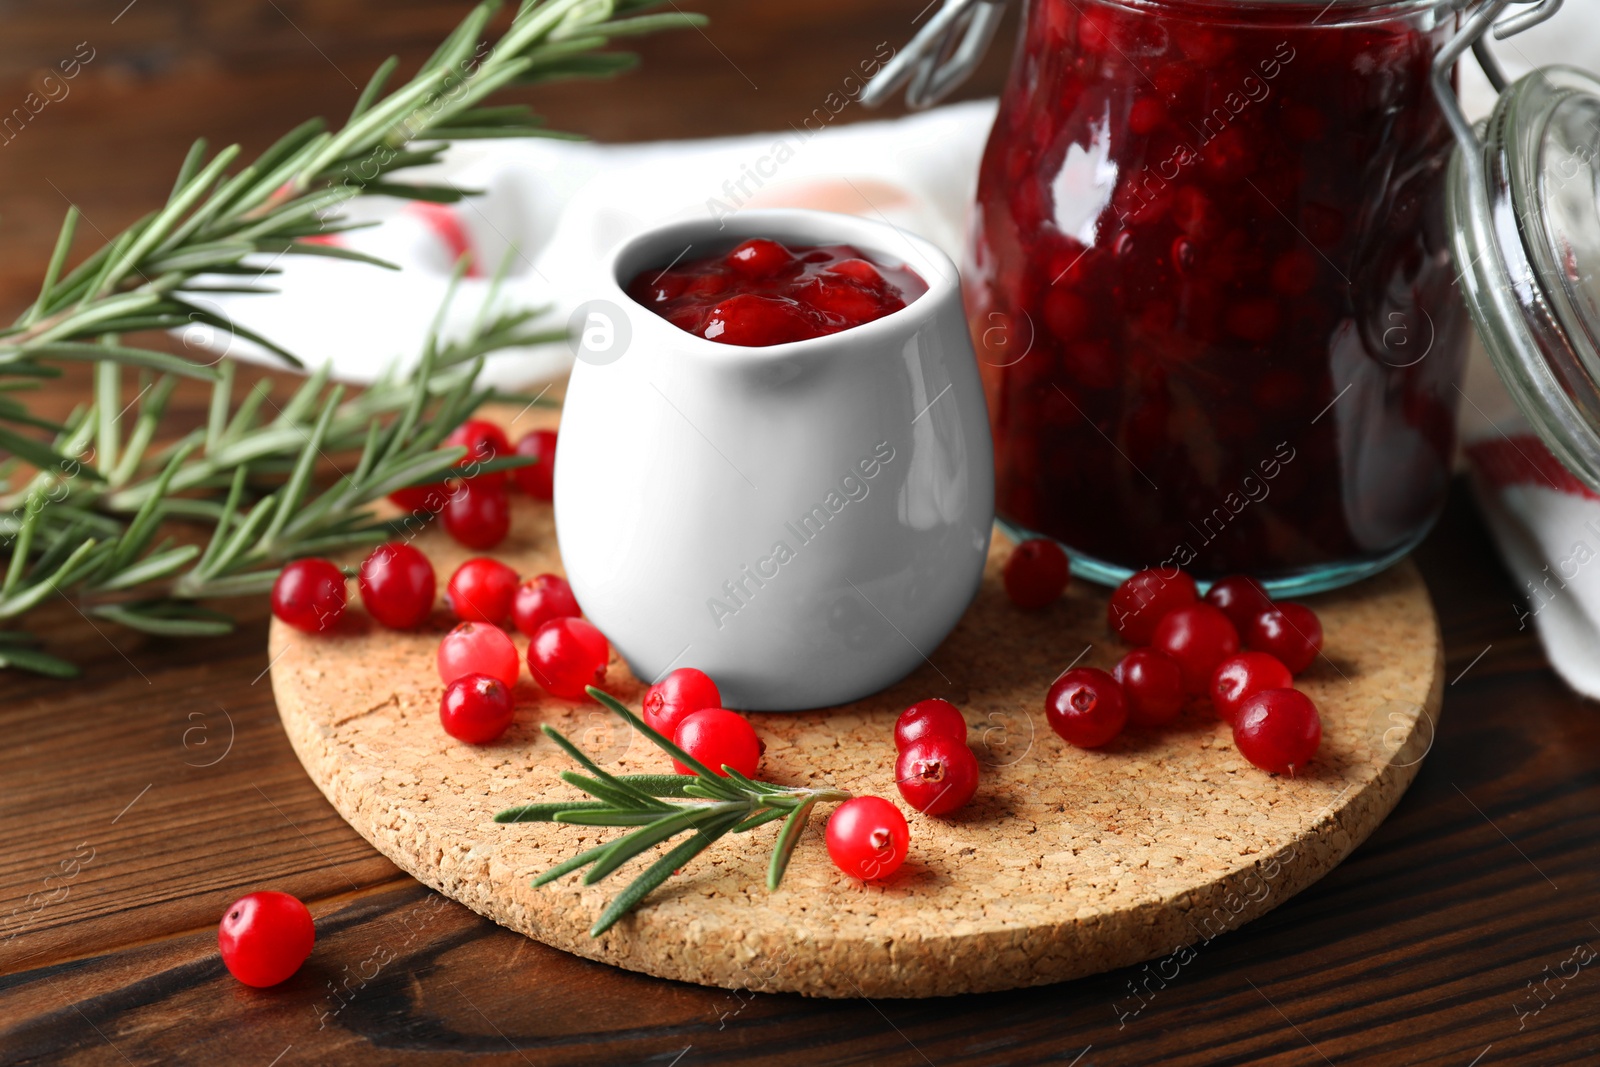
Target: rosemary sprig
{"points": [[712, 806], [82, 512]]}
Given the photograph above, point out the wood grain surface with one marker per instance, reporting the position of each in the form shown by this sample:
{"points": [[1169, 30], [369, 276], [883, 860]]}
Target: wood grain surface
{"points": [[1445, 939]]}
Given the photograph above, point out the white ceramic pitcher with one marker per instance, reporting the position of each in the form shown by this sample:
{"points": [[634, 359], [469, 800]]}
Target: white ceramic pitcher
{"points": [[804, 522]]}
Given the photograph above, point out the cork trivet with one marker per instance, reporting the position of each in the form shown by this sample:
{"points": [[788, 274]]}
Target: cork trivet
{"points": [[1067, 863]]}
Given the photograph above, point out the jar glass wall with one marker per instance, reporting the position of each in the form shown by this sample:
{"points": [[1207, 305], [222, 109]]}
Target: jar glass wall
{"points": [[1210, 286]]}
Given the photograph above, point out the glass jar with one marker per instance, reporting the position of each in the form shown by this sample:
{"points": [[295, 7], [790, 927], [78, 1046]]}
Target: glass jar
{"points": [[1211, 288]]}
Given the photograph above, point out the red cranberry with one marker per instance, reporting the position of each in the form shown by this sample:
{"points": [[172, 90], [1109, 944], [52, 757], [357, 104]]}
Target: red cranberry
{"points": [[1238, 678], [930, 718], [483, 441], [1290, 631], [1199, 637], [540, 599], [676, 697], [478, 648], [478, 513], [1152, 682], [265, 937], [718, 738], [1036, 574], [937, 774], [1278, 730], [476, 708], [397, 585], [481, 590], [568, 655], [759, 258], [1144, 599], [1086, 707], [1240, 598], [309, 594], [867, 838], [537, 479]]}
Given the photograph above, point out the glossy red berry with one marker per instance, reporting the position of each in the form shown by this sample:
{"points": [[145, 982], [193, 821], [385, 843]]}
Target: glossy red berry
{"points": [[937, 774], [1199, 637], [483, 441], [759, 258], [309, 594], [537, 479], [930, 718], [481, 590], [868, 838], [1144, 599], [478, 513], [1152, 683], [1036, 574], [1278, 730], [476, 708], [1240, 598], [1086, 707], [718, 738], [1240, 677], [540, 599], [677, 696], [478, 648], [265, 937], [568, 655], [397, 585], [1290, 631]]}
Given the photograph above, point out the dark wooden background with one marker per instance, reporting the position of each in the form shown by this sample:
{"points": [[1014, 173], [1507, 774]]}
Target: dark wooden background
{"points": [[137, 802]]}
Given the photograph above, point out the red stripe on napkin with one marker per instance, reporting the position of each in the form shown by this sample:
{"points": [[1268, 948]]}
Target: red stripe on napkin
{"points": [[446, 225], [1523, 459]]}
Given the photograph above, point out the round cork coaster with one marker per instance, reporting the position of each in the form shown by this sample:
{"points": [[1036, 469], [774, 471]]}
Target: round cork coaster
{"points": [[1067, 863]]}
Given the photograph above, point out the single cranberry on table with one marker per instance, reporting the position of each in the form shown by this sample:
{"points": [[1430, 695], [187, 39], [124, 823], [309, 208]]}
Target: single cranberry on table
{"points": [[1240, 598], [1240, 677], [867, 838], [1036, 573], [1199, 637], [1086, 707], [1292, 632], [930, 718], [567, 656], [310, 595], [478, 648], [1278, 730], [1144, 599], [476, 708], [540, 599], [478, 513], [397, 585], [1152, 683], [718, 737], [537, 479], [481, 590], [937, 774], [677, 696], [265, 937], [763, 293]]}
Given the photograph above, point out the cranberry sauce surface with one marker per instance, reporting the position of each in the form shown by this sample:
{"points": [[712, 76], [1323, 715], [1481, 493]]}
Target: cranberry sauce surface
{"points": [[762, 293], [1210, 286]]}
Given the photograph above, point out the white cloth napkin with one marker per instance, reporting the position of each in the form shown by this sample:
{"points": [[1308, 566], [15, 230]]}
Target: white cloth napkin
{"points": [[558, 207]]}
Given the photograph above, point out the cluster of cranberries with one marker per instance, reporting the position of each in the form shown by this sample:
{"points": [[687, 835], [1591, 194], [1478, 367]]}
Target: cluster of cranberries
{"points": [[935, 770], [476, 508], [867, 836], [1236, 647]]}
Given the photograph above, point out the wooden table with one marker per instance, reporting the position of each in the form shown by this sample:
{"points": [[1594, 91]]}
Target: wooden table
{"points": [[141, 799]]}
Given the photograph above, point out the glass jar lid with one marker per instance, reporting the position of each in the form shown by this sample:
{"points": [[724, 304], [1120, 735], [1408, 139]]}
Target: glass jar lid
{"points": [[1524, 204]]}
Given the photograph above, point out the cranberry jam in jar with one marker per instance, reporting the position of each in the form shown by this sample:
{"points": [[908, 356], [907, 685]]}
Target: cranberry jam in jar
{"points": [[764, 293], [1211, 289]]}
